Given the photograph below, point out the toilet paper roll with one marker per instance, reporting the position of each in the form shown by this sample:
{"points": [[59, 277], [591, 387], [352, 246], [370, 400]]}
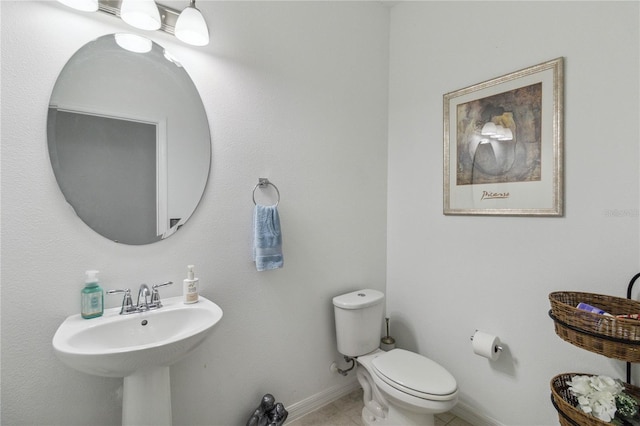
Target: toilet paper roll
{"points": [[486, 345]]}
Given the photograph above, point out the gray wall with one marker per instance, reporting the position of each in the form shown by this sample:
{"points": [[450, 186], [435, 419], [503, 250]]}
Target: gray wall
{"points": [[106, 169]]}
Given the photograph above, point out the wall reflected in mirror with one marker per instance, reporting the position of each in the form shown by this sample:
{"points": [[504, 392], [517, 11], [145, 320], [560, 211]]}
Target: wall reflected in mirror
{"points": [[128, 140]]}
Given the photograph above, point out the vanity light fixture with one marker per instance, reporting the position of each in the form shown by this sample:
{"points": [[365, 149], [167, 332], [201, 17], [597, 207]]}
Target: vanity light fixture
{"points": [[83, 5], [191, 27], [141, 14], [188, 26]]}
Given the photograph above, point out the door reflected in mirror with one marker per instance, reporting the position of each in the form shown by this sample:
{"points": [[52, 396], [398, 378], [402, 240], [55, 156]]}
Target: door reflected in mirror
{"points": [[129, 141]]}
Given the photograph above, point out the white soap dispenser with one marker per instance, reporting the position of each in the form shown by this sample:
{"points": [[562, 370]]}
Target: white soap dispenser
{"points": [[190, 287]]}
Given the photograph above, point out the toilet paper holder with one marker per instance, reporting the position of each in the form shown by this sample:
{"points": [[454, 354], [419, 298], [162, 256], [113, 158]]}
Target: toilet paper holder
{"points": [[497, 348]]}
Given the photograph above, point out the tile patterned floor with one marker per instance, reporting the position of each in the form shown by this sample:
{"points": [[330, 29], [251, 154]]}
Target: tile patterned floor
{"points": [[347, 411]]}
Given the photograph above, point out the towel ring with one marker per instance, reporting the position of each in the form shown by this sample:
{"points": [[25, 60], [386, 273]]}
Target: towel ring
{"points": [[262, 182]]}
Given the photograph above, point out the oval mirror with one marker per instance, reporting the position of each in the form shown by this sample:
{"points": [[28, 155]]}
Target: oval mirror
{"points": [[128, 139]]}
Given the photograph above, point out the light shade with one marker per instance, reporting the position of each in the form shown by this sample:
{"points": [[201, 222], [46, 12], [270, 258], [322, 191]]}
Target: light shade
{"points": [[141, 14], [84, 5], [191, 27]]}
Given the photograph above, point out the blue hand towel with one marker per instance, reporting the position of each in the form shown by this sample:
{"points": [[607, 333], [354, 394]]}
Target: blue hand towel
{"points": [[267, 238]]}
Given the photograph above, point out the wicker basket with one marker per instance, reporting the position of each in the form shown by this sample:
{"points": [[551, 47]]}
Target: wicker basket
{"points": [[566, 404], [613, 337]]}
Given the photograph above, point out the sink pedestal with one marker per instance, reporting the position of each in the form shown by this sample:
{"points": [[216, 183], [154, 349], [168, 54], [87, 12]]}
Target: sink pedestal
{"points": [[147, 398]]}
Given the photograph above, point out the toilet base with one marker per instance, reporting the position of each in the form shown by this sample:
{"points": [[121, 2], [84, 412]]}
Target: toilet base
{"points": [[378, 412], [385, 405], [397, 418]]}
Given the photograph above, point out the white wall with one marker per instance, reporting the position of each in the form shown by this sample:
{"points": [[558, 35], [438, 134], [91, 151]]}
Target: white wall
{"points": [[296, 92], [448, 276]]}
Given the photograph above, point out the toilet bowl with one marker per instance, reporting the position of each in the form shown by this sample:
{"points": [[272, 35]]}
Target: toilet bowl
{"points": [[400, 387], [404, 388]]}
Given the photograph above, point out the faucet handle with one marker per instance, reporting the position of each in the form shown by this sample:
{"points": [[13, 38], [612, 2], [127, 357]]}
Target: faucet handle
{"points": [[127, 303], [155, 295], [155, 286]]}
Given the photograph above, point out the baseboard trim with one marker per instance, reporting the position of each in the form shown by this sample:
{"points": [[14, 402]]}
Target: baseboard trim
{"points": [[466, 413], [319, 400], [327, 396]]}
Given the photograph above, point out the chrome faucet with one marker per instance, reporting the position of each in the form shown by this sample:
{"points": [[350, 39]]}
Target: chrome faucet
{"points": [[147, 299], [143, 298]]}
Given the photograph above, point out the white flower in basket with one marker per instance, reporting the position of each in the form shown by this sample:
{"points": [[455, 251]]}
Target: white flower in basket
{"points": [[596, 395]]}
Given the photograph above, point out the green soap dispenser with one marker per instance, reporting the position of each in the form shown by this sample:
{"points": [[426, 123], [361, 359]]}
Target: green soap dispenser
{"points": [[92, 296]]}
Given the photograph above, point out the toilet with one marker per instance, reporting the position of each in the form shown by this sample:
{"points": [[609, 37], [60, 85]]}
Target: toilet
{"points": [[400, 387]]}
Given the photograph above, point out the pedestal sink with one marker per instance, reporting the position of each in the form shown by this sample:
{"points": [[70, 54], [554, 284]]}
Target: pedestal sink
{"points": [[139, 347]]}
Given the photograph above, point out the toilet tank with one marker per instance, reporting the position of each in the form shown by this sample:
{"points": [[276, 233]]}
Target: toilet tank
{"points": [[358, 318]]}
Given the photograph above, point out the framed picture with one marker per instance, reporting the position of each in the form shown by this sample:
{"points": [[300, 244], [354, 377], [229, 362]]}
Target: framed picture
{"points": [[503, 145]]}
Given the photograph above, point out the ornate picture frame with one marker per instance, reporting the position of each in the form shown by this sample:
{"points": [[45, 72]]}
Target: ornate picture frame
{"points": [[503, 145]]}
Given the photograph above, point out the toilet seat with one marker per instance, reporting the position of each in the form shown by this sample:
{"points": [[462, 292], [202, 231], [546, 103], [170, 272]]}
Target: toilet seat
{"points": [[415, 375]]}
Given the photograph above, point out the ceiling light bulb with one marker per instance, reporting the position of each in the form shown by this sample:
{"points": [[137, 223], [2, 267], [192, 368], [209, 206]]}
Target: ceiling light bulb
{"points": [[84, 5], [141, 14], [191, 27]]}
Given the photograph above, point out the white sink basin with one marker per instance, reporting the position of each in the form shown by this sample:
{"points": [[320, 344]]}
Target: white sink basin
{"points": [[115, 345]]}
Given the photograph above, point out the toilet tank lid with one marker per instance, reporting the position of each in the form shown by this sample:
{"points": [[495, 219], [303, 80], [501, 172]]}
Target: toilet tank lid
{"points": [[358, 299]]}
